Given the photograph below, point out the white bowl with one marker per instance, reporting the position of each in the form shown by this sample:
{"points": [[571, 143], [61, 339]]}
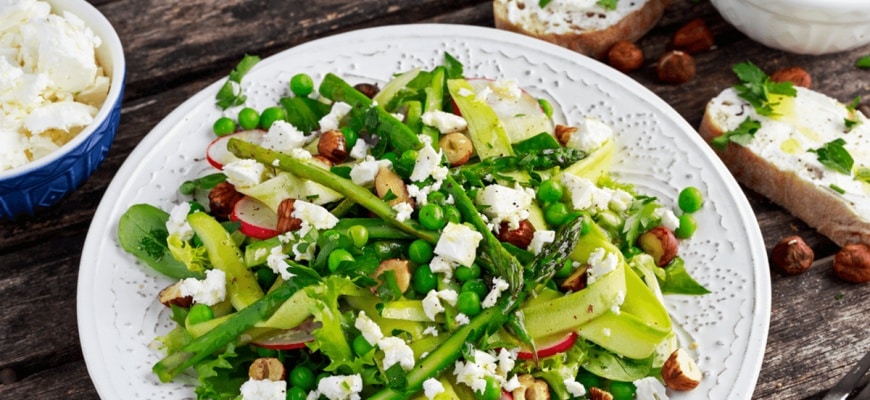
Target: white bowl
{"points": [[801, 26]]}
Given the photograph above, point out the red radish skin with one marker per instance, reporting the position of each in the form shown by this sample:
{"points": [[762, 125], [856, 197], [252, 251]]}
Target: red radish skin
{"points": [[550, 349], [256, 219], [295, 338], [217, 153]]}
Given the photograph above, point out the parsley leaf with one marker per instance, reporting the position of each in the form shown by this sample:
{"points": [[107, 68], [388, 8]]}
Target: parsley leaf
{"points": [[608, 4], [834, 155], [742, 135], [863, 62], [756, 86], [230, 94], [543, 3], [851, 107]]}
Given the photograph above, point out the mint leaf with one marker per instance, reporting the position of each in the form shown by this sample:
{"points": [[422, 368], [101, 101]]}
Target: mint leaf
{"points": [[834, 155], [608, 4], [230, 94], [742, 135], [755, 87]]}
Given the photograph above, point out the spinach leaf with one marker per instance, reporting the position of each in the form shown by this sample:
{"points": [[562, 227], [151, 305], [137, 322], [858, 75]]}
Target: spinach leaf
{"points": [[142, 233]]}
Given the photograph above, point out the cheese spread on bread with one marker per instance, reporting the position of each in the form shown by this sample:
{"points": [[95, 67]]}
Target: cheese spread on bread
{"points": [[563, 16]]}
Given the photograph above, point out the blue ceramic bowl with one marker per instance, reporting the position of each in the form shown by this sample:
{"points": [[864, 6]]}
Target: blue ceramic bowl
{"points": [[44, 182]]}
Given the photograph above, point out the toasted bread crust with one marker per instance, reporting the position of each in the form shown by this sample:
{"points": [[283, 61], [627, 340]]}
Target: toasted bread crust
{"points": [[592, 43], [819, 208]]}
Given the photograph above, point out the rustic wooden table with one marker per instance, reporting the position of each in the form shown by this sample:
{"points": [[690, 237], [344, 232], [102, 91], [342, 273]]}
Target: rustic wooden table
{"points": [[820, 326]]}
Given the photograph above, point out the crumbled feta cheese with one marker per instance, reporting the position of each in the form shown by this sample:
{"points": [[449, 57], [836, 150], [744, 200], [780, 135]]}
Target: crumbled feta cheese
{"points": [[462, 319], [506, 360], [443, 121], [265, 389], [244, 173], [431, 330], [283, 137], [368, 328], [650, 388], [620, 298], [403, 211], [275, 261], [504, 204], [428, 161], [177, 224], [499, 285], [474, 374], [620, 200], [396, 351], [590, 135], [512, 384], [441, 265], [209, 291], [540, 238], [314, 215], [359, 150], [331, 120], [600, 263], [341, 387], [432, 305], [575, 388], [584, 194], [669, 219], [364, 172], [448, 295], [63, 116], [458, 243], [432, 387]]}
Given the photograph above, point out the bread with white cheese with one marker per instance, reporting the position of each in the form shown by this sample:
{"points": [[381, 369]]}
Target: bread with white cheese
{"points": [[781, 160], [585, 26]]}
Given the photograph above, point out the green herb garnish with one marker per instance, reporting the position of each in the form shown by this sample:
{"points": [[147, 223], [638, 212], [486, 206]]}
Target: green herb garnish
{"points": [[742, 135], [205, 183], [608, 4], [837, 188], [756, 87], [862, 174], [543, 3], [834, 155], [230, 94], [851, 107], [863, 62]]}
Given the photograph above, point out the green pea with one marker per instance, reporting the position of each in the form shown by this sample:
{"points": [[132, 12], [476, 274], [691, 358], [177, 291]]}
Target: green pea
{"points": [[334, 260], [492, 391], [301, 85], [420, 251], [464, 273], [468, 303], [687, 227], [556, 213], [546, 107], [224, 126], [296, 393], [350, 137], [270, 115], [424, 279], [436, 197], [452, 214], [199, 313], [588, 379], [622, 390], [249, 118], [361, 345], [550, 190], [690, 199], [390, 156], [303, 377], [359, 235], [476, 286], [566, 270], [431, 216]]}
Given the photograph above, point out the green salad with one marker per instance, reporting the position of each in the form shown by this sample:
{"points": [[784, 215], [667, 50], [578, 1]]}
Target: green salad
{"points": [[440, 237]]}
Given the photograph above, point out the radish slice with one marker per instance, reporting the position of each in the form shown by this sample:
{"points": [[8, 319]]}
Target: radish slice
{"points": [[294, 338], [550, 348], [217, 153], [522, 117], [257, 220], [505, 395]]}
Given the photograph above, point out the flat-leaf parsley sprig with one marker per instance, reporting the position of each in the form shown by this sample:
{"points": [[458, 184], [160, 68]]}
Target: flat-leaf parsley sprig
{"points": [[756, 88], [742, 135], [230, 94]]}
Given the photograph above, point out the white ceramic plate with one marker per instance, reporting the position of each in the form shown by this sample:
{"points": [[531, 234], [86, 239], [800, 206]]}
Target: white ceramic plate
{"points": [[118, 311]]}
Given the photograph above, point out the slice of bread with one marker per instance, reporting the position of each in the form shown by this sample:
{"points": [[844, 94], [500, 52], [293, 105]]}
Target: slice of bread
{"points": [[582, 26], [777, 164]]}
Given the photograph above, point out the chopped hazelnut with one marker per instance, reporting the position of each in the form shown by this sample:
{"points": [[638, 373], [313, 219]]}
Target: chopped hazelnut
{"points": [[171, 296], [521, 236], [333, 146], [660, 243], [286, 221], [222, 199], [680, 371], [267, 368]]}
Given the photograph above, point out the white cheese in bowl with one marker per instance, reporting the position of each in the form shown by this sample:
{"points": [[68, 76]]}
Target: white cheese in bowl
{"points": [[51, 85]]}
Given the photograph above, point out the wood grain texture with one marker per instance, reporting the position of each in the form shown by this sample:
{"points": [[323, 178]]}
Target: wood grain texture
{"points": [[819, 324]]}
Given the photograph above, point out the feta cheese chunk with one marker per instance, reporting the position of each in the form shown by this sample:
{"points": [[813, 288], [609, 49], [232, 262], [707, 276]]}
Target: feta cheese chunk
{"points": [[396, 351], [331, 120], [428, 163], [590, 135], [499, 285], [364, 172], [585, 195], [541, 238], [600, 263], [403, 211], [458, 243], [244, 173], [432, 387], [276, 262], [650, 388], [504, 204], [575, 388], [314, 215], [669, 219], [177, 224], [62, 116], [209, 291], [283, 137], [265, 389], [445, 122], [368, 328], [341, 387]]}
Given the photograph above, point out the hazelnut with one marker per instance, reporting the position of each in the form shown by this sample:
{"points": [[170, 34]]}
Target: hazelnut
{"points": [[563, 133], [792, 255], [222, 199], [286, 221], [675, 67], [267, 368], [457, 147], [693, 37], [531, 389], [171, 296], [520, 237], [796, 75], [387, 181], [599, 394], [576, 281], [367, 89], [660, 243], [680, 371], [333, 146], [852, 263], [400, 269], [625, 56]]}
